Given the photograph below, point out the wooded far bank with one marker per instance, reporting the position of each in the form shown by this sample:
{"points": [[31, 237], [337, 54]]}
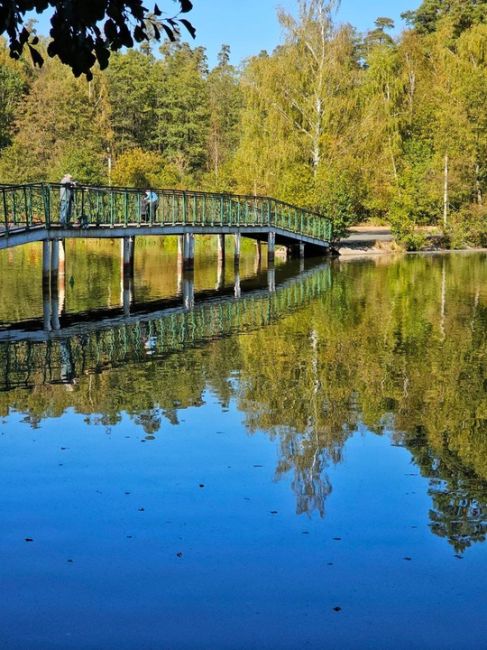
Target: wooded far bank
{"points": [[356, 126]]}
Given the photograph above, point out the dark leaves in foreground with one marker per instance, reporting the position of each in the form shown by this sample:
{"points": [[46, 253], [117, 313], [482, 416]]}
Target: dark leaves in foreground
{"points": [[85, 33]]}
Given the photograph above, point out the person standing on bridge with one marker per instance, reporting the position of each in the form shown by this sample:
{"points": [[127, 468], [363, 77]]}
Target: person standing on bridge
{"points": [[150, 203], [66, 196]]}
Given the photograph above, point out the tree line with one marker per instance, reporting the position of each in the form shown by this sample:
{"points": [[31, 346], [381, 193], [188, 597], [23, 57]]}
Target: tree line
{"points": [[356, 126]]}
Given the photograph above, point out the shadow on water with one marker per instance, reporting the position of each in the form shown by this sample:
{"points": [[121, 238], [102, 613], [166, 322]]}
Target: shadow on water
{"points": [[397, 346]]}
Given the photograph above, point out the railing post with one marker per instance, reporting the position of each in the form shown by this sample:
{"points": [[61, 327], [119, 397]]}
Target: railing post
{"points": [[28, 215], [5, 210], [111, 208], [185, 209]]}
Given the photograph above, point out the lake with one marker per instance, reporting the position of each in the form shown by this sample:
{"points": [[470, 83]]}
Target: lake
{"points": [[301, 462]]}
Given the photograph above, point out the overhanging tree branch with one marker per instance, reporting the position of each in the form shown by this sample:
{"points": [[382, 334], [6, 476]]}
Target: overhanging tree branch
{"points": [[85, 33]]}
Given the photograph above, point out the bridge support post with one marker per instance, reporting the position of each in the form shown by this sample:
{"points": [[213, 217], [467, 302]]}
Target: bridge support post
{"points": [[271, 247], [236, 259], [237, 290], [127, 293], [271, 278], [258, 256], [127, 247], [220, 275], [221, 248], [55, 246], [57, 293], [46, 298], [188, 290], [46, 261], [296, 250], [188, 252], [128, 250]]}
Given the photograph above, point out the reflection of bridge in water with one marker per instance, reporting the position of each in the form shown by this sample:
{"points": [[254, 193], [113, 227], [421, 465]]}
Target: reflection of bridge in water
{"points": [[66, 346]]}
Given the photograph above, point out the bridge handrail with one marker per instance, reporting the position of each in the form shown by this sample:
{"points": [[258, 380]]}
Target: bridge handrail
{"points": [[39, 204]]}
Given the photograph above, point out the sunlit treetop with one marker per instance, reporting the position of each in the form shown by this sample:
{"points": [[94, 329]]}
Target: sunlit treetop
{"points": [[463, 13], [84, 33]]}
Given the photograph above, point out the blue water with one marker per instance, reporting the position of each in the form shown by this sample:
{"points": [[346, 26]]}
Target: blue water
{"points": [[186, 535]]}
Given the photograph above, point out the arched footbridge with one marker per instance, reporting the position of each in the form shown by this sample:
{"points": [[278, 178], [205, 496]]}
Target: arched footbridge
{"points": [[33, 212]]}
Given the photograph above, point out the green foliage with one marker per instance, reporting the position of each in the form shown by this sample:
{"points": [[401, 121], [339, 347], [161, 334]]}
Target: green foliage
{"points": [[339, 198], [181, 129], [391, 129], [86, 35], [468, 227], [138, 168], [463, 14]]}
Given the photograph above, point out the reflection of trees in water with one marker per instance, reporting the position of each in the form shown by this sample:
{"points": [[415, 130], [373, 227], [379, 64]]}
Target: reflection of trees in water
{"points": [[310, 482], [372, 349], [459, 496]]}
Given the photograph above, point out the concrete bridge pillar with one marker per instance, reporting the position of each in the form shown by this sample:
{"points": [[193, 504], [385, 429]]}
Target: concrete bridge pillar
{"points": [[127, 293], [127, 249], [271, 278], [57, 300], [55, 255], [188, 252], [271, 247], [296, 251], [237, 249], [46, 298], [237, 290], [46, 262], [220, 275], [179, 265], [221, 247], [128, 254], [258, 256], [258, 247], [188, 290]]}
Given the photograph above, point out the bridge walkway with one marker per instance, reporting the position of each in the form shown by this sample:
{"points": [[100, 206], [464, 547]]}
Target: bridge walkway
{"points": [[32, 212]]}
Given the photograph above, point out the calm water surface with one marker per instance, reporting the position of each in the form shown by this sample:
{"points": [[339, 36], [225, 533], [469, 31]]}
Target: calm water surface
{"points": [[304, 467]]}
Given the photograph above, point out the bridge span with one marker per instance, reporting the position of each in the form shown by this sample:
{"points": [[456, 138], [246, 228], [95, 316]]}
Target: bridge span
{"points": [[33, 213]]}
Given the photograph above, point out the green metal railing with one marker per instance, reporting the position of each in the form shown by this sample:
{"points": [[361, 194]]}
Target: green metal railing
{"points": [[39, 204]]}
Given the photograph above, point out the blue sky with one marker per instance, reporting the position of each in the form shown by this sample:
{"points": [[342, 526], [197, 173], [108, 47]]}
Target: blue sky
{"points": [[250, 26]]}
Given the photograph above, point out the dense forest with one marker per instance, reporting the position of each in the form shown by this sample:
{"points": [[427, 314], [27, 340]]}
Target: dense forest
{"points": [[357, 126]]}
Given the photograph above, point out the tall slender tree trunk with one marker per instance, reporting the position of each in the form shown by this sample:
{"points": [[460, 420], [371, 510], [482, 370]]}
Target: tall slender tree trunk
{"points": [[477, 184], [446, 192]]}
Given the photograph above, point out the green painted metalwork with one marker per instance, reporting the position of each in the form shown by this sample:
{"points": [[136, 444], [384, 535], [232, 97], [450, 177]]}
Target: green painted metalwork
{"points": [[34, 205]]}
